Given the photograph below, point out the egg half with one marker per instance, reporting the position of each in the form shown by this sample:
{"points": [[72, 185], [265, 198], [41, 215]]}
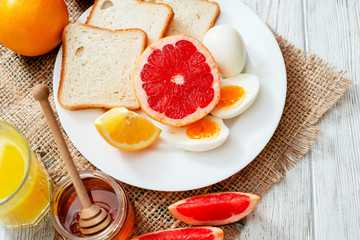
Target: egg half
{"points": [[236, 95], [228, 49], [203, 135]]}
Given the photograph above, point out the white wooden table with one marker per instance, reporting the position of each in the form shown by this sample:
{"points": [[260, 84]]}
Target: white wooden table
{"points": [[319, 198]]}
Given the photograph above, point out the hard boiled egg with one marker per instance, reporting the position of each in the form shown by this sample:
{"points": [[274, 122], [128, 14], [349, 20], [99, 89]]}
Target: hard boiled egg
{"points": [[236, 95], [228, 49], [203, 135]]}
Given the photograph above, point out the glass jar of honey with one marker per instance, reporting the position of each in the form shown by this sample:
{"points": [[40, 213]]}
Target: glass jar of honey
{"points": [[103, 191]]}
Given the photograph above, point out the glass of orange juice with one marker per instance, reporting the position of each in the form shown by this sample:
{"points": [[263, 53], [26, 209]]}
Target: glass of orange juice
{"points": [[25, 188]]}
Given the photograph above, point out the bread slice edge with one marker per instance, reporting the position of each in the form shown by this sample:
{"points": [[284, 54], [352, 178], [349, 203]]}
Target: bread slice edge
{"points": [[62, 72], [168, 20]]}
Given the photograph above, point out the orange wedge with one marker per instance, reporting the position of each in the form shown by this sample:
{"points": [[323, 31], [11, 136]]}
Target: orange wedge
{"points": [[126, 130]]}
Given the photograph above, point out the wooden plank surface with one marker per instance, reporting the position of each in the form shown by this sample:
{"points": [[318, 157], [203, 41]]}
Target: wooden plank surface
{"points": [[285, 211], [319, 198], [44, 231], [330, 198], [334, 34]]}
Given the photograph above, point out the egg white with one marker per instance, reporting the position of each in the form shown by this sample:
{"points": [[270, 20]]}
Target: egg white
{"points": [[178, 137], [228, 49], [250, 83]]}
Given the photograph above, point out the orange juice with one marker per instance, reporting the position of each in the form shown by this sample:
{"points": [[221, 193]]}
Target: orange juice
{"points": [[12, 165], [24, 185]]}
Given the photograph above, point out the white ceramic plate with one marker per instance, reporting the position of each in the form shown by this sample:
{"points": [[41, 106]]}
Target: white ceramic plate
{"points": [[164, 167]]}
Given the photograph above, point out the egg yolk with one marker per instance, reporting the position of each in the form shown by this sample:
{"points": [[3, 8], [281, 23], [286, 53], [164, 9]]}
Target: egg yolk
{"points": [[231, 97], [203, 129]]}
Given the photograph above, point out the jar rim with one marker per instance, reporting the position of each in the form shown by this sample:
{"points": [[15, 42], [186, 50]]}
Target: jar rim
{"points": [[119, 219], [28, 151]]}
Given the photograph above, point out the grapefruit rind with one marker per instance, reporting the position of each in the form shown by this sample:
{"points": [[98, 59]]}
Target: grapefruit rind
{"points": [[142, 96], [254, 200], [99, 124], [216, 232]]}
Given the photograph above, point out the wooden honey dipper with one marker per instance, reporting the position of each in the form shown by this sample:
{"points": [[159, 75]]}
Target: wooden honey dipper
{"points": [[93, 218]]}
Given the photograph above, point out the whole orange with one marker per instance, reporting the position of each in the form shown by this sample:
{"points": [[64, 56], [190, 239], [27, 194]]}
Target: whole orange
{"points": [[32, 27]]}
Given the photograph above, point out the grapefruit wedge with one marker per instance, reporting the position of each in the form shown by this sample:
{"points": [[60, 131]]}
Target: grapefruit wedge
{"points": [[176, 80], [214, 209], [192, 233]]}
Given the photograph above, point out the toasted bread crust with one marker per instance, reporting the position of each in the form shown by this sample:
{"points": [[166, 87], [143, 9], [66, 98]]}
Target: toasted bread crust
{"points": [[216, 14], [169, 19], [205, 3], [63, 64]]}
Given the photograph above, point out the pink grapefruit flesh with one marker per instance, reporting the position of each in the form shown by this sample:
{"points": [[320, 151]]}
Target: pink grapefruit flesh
{"points": [[192, 233], [214, 209], [176, 80]]}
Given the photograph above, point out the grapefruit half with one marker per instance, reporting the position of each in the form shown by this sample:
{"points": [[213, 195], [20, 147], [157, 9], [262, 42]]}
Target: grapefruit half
{"points": [[214, 209], [176, 80], [192, 233]]}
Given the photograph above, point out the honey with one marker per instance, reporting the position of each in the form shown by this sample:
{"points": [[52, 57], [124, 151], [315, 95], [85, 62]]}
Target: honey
{"points": [[100, 193], [104, 192]]}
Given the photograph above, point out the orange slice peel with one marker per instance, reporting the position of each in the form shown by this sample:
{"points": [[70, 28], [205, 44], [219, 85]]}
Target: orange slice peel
{"points": [[126, 130]]}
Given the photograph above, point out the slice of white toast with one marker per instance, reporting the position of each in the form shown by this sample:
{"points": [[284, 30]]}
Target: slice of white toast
{"points": [[97, 67], [153, 18], [192, 17]]}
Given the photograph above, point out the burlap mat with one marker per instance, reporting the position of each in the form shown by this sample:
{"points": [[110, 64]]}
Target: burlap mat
{"points": [[313, 87]]}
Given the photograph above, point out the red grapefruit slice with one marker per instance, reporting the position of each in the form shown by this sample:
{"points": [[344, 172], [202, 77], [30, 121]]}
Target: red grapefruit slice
{"points": [[214, 209], [192, 233], [176, 80]]}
